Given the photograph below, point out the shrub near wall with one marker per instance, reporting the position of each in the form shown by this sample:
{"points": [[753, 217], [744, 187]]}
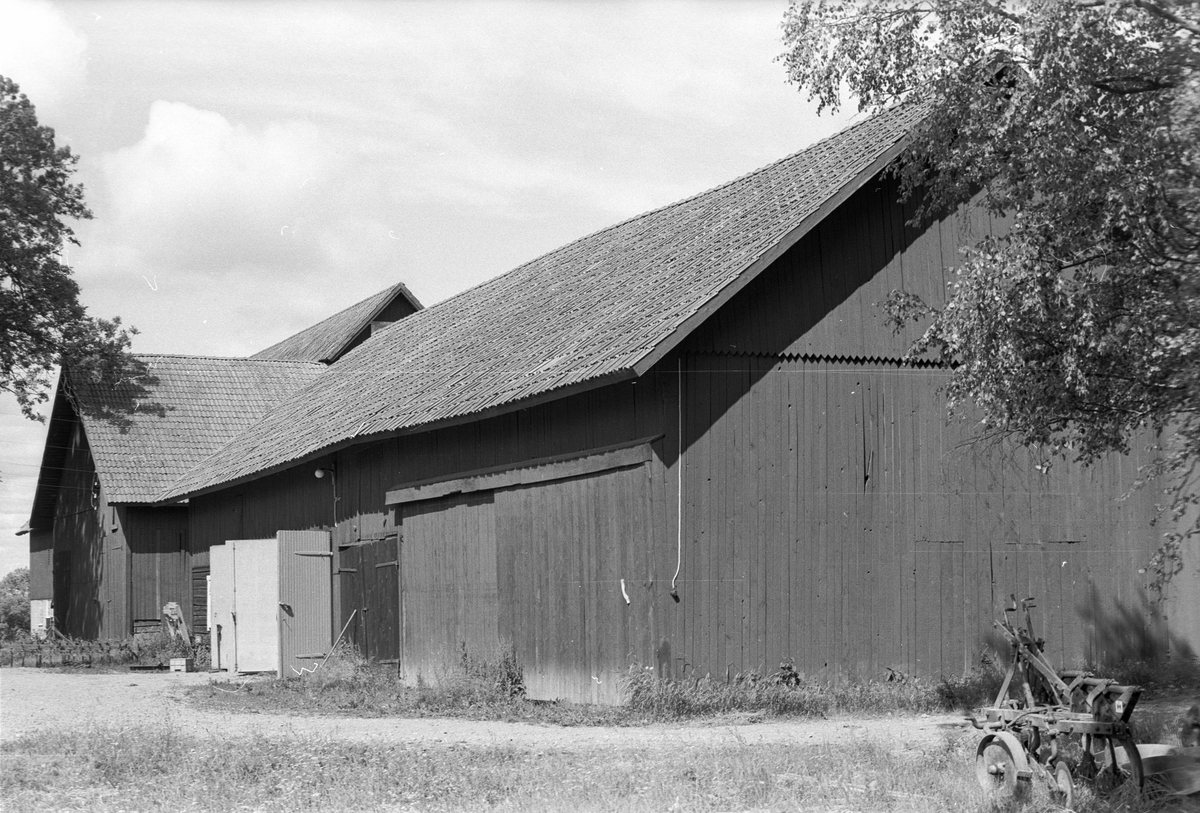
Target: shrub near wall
{"points": [[140, 650]]}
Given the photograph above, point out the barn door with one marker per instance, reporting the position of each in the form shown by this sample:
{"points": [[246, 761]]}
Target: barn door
{"points": [[255, 604], [573, 563], [370, 584], [448, 595], [350, 574], [305, 600]]}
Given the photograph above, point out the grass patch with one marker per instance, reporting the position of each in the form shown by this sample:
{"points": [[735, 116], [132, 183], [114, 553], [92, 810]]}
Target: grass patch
{"points": [[157, 768], [349, 685], [492, 689], [482, 689]]}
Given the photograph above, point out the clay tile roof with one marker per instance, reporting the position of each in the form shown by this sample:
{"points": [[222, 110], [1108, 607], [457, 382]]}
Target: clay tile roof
{"points": [[188, 407], [601, 308], [329, 338]]}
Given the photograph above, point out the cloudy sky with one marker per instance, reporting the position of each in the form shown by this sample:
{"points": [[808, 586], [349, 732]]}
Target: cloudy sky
{"points": [[254, 167]]}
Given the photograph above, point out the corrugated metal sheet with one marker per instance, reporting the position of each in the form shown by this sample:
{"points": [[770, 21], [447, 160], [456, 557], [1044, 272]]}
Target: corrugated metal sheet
{"points": [[330, 338], [305, 600], [592, 309]]}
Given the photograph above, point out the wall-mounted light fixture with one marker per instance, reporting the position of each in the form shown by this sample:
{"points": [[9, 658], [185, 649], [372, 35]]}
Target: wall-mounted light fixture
{"points": [[330, 471]]}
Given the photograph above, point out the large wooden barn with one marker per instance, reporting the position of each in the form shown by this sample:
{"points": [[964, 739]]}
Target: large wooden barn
{"points": [[103, 553], [687, 442]]}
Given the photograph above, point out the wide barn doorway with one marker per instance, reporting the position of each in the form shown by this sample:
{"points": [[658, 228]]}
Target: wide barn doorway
{"points": [[550, 565]]}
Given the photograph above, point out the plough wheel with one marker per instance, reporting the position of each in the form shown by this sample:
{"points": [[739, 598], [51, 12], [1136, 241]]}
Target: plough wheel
{"points": [[1117, 761], [1063, 791], [1002, 767]]}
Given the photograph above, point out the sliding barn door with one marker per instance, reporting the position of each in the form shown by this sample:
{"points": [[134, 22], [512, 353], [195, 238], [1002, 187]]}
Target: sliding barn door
{"points": [[448, 595]]}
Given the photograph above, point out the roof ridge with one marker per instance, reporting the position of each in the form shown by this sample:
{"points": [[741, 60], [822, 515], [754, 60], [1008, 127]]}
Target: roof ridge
{"points": [[250, 359], [588, 312], [839, 135]]}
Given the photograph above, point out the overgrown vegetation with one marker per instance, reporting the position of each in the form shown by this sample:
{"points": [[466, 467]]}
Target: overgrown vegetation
{"points": [[156, 649], [493, 689], [785, 693], [158, 767], [481, 688]]}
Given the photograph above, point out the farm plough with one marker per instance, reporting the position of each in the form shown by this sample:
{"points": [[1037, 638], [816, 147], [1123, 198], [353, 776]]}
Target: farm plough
{"points": [[1049, 727]]}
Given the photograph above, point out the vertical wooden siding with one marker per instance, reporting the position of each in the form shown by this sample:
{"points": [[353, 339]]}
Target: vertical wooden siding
{"points": [[41, 565], [83, 523], [821, 297], [449, 601], [560, 572], [296, 500], [370, 592], [157, 539], [572, 550], [832, 516]]}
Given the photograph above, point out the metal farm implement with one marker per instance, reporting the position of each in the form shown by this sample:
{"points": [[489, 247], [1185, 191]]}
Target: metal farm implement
{"points": [[1047, 727]]}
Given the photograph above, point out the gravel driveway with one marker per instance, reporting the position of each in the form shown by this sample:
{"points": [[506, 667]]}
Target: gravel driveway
{"points": [[32, 699]]}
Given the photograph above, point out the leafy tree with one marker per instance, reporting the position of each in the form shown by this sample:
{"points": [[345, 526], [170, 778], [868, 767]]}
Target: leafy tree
{"points": [[42, 322], [1080, 121], [14, 603]]}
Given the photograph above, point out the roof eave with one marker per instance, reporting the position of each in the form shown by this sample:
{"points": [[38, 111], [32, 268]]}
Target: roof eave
{"points": [[53, 455], [613, 377]]}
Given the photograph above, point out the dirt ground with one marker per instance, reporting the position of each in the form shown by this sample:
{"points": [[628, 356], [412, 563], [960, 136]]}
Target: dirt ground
{"points": [[33, 699]]}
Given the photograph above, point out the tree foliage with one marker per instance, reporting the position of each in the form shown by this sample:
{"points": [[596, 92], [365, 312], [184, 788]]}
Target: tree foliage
{"points": [[42, 322], [1078, 120], [14, 603]]}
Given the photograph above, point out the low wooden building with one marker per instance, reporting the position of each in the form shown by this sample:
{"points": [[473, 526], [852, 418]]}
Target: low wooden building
{"points": [[104, 550], [689, 443]]}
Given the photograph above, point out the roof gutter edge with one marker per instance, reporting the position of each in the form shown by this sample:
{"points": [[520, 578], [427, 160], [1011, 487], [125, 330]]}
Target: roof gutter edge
{"points": [[616, 376]]}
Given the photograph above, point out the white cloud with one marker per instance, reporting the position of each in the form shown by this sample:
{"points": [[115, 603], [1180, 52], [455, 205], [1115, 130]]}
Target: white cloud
{"points": [[200, 194], [41, 52]]}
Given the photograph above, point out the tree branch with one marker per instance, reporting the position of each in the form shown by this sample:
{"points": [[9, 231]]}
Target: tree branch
{"points": [[1129, 85], [1158, 10]]}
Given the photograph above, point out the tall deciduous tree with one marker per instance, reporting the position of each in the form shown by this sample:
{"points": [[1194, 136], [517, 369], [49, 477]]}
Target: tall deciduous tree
{"points": [[42, 322], [14, 604], [1080, 120]]}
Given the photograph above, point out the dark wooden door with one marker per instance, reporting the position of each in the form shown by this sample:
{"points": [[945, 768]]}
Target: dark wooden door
{"points": [[370, 584]]}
